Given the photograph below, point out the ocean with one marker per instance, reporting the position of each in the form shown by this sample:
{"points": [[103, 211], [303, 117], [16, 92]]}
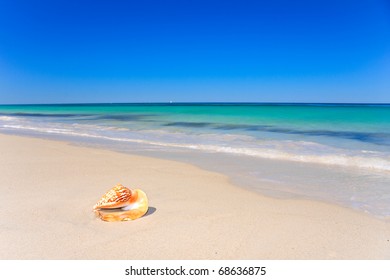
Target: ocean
{"points": [[336, 153]]}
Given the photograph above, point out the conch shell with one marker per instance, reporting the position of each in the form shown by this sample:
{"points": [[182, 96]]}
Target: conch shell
{"points": [[121, 204]]}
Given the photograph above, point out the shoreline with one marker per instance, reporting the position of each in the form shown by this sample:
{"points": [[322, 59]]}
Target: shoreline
{"points": [[273, 178], [49, 187]]}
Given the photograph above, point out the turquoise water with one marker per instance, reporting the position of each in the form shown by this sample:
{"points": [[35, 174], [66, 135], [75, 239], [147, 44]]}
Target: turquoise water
{"points": [[352, 141]]}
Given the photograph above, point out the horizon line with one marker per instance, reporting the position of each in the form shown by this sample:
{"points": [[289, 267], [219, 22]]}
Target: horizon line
{"points": [[196, 103]]}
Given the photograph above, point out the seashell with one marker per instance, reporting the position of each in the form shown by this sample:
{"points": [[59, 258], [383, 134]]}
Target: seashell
{"points": [[121, 204], [117, 197]]}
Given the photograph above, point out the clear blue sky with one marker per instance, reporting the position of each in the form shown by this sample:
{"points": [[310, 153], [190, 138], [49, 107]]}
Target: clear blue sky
{"points": [[157, 51]]}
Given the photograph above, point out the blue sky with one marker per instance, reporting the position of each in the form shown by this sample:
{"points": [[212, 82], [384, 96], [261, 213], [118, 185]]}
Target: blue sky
{"points": [[184, 51]]}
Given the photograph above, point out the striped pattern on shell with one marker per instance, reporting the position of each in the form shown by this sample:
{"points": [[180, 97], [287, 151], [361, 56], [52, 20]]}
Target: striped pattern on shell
{"points": [[116, 197]]}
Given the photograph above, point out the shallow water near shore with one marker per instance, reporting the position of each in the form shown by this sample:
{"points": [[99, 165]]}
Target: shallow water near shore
{"points": [[336, 154]]}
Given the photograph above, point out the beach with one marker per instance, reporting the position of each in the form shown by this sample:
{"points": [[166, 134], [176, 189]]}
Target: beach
{"points": [[337, 154], [49, 188]]}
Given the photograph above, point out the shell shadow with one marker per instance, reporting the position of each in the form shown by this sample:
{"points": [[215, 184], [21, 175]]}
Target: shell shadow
{"points": [[151, 210]]}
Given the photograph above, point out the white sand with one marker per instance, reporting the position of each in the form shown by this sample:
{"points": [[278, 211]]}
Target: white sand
{"points": [[48, 189]]}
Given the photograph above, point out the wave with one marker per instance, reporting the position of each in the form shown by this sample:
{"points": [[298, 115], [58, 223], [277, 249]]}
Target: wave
{"points": [[131, 119], [43, 115], [296, 151], [7, 118], [117, 117], [369, 137]]}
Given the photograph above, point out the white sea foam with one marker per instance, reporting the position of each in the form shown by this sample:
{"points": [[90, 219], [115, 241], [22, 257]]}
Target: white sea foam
{"points": [[6, 118]]}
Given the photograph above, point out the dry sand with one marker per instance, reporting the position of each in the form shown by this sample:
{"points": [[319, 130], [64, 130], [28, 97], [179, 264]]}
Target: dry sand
{"points": [[48, 189]]}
